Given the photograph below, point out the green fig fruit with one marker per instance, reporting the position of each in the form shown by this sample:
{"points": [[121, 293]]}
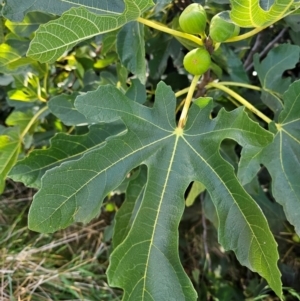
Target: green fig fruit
{"points": [[193, 19], [197, 61], [222, 28]]}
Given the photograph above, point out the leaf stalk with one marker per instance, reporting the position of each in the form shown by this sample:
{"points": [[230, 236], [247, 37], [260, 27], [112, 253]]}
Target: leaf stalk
{"points": [[32, 121], [173, 32], [183, 116], [241, 100], [237, 84]]}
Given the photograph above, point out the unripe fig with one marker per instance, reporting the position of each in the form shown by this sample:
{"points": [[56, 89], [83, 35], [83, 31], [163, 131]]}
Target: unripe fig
{"points": [[197, 61], [193, 19], [222, 28]]}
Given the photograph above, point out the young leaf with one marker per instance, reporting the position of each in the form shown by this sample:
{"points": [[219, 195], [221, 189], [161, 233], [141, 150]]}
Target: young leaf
{"points": [[9, 150], [258, 13], [19, 118], [174, 158], [63, 148], [78, 24], [10, 57], [196, 189]]}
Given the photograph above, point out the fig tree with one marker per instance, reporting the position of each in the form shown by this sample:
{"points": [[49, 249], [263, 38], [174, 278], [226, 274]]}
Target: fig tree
{"points": [[193, 19], [222, 28], [197, 61]]}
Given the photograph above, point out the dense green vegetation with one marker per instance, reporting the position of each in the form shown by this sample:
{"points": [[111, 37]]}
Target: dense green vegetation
{"points": [[160, 145]]}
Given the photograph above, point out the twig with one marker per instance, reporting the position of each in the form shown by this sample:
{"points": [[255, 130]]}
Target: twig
{"points": [[206, 79], [269, 47], [205, 236], [253, 50]]}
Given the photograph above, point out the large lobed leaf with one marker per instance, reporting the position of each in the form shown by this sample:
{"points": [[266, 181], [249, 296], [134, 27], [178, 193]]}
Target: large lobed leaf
{"points": [[146, 262], [79, 24], [258, 13], [282, 157]]}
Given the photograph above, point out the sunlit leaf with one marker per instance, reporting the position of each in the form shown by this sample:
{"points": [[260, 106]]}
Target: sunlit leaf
{"points": [[31, 22], [196, 189], [9, 150], [78, 24], [8, 56], [257, 13]]}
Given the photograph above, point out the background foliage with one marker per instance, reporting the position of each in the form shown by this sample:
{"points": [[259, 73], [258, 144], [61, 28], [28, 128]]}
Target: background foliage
{"points": [[57, 138]]}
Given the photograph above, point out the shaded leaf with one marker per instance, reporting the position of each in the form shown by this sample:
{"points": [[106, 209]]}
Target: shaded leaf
{"points": [[62, 106], [137, 91], [293, 20], [109, 40], [63, 148], [30, 23], [226, 58], [282, 157], [270, 71], [131, 36], [272, 210], [210, 211], [16, 10], [161, 47], [129, 209], [174, 158]]}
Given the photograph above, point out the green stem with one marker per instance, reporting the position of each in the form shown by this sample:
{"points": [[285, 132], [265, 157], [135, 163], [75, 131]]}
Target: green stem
{"points": [[182, 92], [183, 116], [39, 93], [32, 121], [252, 87], [173, 32], [240, 85], [240, 99], [46, 79], [247, 34]]}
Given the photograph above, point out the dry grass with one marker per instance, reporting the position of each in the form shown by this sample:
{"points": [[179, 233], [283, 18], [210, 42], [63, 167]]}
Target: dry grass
{"points": [[67, 265]]}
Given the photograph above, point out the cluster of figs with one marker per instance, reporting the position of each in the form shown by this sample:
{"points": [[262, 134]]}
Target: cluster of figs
{"points": [[193, 21]]}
